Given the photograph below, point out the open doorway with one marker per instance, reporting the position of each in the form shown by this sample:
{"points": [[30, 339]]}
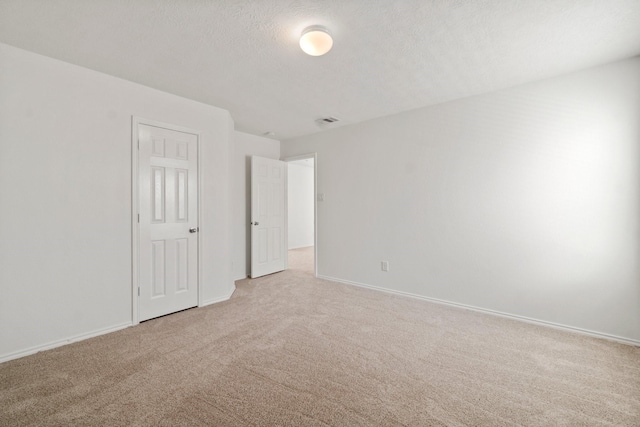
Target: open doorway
{"points": [[301, 213]]}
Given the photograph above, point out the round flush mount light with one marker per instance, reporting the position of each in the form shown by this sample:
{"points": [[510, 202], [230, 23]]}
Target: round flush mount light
{"points": [[316, 40]]}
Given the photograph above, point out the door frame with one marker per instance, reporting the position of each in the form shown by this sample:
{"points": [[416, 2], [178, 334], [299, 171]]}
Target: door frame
{"points": [[135, 200], [313, 156]]}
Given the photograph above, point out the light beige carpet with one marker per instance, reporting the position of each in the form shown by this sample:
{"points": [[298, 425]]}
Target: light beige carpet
{"points": [[291, 350]]}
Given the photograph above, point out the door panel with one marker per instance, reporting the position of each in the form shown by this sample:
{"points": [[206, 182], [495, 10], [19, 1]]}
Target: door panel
{"points": [[168, 206], [267, 216]]}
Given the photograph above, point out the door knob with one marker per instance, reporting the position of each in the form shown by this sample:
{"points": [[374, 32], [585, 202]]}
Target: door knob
{"points": [[194, 230]]}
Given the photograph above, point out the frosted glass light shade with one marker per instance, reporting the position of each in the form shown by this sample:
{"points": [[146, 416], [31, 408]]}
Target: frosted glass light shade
{"points": [[315, 41]]}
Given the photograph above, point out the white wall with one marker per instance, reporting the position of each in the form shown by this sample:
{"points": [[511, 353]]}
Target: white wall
{"points": [[523, 201], [65, 196], [300, 203], [245, 146]]}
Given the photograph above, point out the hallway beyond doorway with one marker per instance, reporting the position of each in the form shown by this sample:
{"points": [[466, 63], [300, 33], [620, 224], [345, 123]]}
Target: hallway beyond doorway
{"points": [[301, 259]]}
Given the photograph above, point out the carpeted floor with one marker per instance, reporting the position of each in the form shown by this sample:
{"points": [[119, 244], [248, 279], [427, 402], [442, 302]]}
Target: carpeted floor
{"points": [[291, 350]]}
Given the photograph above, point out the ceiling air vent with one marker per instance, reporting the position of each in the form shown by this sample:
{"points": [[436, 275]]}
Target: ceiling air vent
{"points": [[326, 121], [329, 120]]}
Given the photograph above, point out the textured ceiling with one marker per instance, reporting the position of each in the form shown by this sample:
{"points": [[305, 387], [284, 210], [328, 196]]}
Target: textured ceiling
{"points": [[388, 56]]}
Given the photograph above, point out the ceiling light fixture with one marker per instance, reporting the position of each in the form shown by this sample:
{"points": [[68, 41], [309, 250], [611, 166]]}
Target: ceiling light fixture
{"points": [[316, 40]]}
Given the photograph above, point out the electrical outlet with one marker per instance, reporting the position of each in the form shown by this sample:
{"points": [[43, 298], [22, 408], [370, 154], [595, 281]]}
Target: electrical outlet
{"points": [[384, 265]]}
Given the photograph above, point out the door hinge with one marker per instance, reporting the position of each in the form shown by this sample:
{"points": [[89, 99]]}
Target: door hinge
{"points": [[138, 144], [138, 217], [138, 291]]}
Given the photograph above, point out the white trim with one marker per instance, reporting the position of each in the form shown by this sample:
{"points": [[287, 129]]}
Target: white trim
{"points": [[313, 156], [220, 299], [200, 225], [492, 312], [286, 215], [134, 219], [135, 122], [300, 247], [65, 341]]}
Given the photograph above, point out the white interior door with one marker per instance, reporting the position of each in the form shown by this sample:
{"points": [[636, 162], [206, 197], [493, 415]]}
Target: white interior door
{"points": [[168, 229], [268, 216]]}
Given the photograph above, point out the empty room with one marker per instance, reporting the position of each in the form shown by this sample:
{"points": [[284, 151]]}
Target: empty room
{"points": [[306, 213]]}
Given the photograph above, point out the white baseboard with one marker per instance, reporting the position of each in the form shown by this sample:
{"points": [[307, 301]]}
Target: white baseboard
{"points": [[489, 311], [219, 299], [60, 343], [81, 337], [300, 247]]}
